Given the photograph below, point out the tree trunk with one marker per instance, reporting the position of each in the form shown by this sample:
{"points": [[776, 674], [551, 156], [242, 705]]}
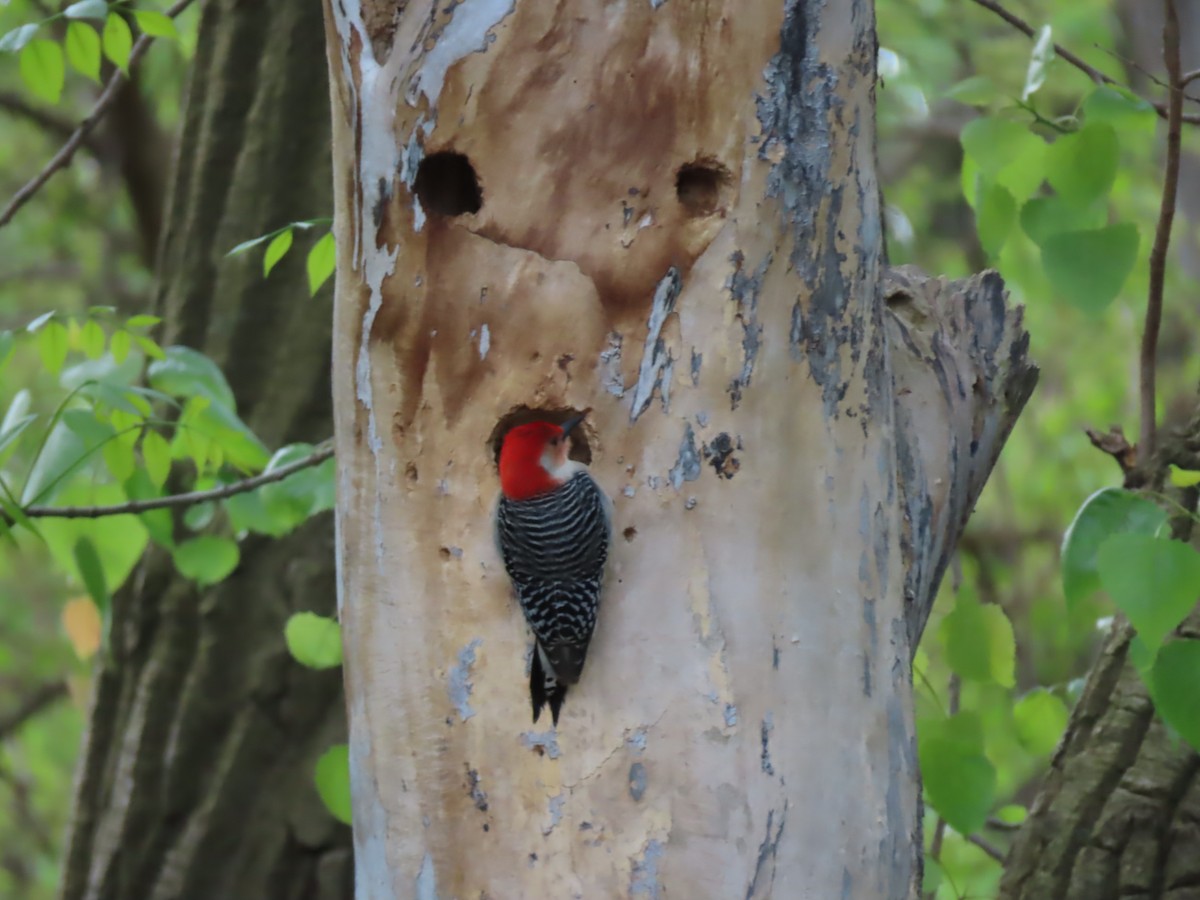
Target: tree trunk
{"points": [[196, 779], [1118, 814], [666, 212]]}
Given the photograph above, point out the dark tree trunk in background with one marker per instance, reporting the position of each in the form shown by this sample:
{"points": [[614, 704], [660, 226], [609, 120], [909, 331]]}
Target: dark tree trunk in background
{"points": [[1118, 815], [196, 776]]}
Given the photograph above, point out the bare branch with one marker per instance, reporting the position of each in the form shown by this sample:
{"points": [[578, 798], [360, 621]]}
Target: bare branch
{"points": [[38, 699], [317, 457], [1148, 361], [54, 124], [994, 852], [85, 127]]}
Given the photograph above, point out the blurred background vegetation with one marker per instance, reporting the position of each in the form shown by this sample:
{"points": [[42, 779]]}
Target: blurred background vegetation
{"points": [[88, 239]]}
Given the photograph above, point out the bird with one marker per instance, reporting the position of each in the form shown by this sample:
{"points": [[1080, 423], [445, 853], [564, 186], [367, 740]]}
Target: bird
{"points": [[553, 528]]}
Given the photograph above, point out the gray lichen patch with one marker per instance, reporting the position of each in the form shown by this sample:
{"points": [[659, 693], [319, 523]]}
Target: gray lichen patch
{"points": [[543, 743], [768, 725], [459, 682], [687, 466], [744, 290], [637, 781], [643, 879], [656, 357]]}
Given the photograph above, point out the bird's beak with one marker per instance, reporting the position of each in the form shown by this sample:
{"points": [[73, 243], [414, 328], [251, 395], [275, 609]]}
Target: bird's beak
{"points": [[568, 425]]}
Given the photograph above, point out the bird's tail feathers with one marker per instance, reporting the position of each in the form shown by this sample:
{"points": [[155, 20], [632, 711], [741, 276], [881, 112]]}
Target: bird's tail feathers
{"points": [[544, 687]]}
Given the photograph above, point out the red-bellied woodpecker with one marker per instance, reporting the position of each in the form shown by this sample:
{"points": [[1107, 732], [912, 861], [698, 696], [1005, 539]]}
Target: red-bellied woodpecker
{"points": [[553, 528]]}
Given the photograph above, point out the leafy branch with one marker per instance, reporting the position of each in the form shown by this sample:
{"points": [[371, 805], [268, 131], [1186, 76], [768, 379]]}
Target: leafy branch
{"points": [[1163, 110], [77, 139], [323, 452]]}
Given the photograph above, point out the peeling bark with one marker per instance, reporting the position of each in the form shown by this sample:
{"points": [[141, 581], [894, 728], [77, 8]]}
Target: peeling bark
{"points": [[961, 377], [678, 201]]}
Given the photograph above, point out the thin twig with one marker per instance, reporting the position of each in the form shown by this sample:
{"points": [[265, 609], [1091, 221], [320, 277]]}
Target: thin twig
{"points": [[1189, 77], [106, 99], [1090, 71], [37, 700], [317, 457], [994, 852], [1001, 825], [1148, 361]]}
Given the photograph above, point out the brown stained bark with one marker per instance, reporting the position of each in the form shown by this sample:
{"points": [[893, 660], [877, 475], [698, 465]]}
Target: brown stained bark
{"points": [[195, 781], [677, 226]]}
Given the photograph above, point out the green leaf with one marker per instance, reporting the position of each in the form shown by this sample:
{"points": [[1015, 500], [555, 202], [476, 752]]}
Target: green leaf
{"points": [[119, 346], [158, 522], [314, 641], [979, 642], [155, 24], [280, 245], [13, 41], [199, 516], [1082, 166], [1040, 718], [1173, 682], [92, 339], [1154, 581], [117, 41], [119, 459], [83, 49], [1184, 477], [1042, 217], [119, 540], [960, 782], [1088, 268], [332, 778], [7, 342], [1105, 513], [321, 261], [43, 70], [1120, 108], [993, 143], [184, 372], [978, 90], [1039, 62], [149, 347], [1012, 814], [206, 559], [16, 420], [304, 493], [63, 453], [995, 215], [156, 453], [226, 434], [87, 9], [254, 242], [91, 571], [143, 321], [52, 346]]}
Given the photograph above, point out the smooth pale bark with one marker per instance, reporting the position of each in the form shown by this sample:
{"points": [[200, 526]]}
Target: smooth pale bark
{"points": [[744, 723], [196, 777]]}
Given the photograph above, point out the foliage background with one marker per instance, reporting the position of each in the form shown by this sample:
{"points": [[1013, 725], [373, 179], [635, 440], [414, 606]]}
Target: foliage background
{"points": [[85, 241]]}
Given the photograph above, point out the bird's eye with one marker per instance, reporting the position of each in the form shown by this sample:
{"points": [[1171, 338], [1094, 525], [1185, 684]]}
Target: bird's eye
{"points": [[553, 442]]}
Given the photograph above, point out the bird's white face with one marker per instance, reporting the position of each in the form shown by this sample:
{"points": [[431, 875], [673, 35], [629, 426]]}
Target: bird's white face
{"points": [[554, 457]]}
